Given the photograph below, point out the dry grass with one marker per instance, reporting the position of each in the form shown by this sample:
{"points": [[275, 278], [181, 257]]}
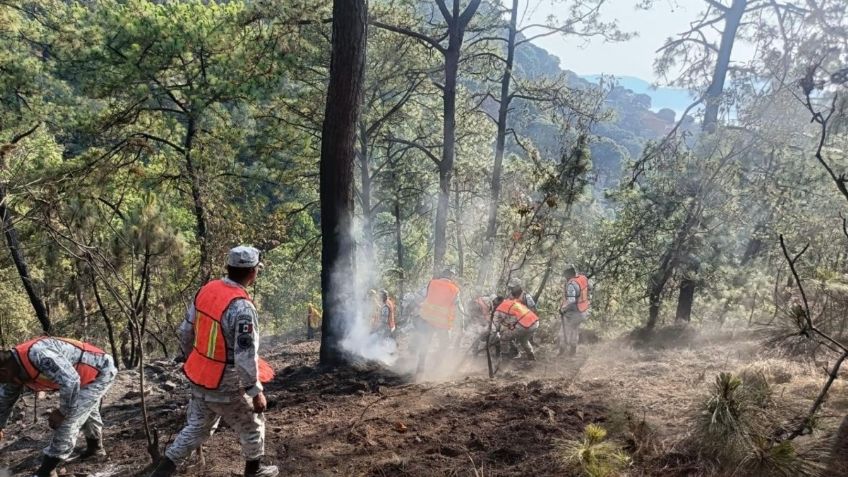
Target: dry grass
{"points": [[593, 455]]}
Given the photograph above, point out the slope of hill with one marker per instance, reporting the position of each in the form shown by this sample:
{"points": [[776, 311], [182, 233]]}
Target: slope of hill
{"points": [[675, 99]]}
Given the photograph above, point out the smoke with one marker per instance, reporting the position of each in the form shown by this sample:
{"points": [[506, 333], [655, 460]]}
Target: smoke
{"points": [[361, 338]]}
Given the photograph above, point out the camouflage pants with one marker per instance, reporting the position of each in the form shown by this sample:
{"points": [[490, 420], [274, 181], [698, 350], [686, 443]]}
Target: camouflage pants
{"points": [[521, 337], [84, 415], [570, 331], [202, 419], [425, 334]]}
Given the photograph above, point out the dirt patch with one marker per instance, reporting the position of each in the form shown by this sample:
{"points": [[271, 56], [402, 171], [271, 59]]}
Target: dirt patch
{"points": [[367, 421]]}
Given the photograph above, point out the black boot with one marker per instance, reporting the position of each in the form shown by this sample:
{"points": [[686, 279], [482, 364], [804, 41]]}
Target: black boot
{"points": [[254, 468], [48, 467], [165, 468], [93, 449]]}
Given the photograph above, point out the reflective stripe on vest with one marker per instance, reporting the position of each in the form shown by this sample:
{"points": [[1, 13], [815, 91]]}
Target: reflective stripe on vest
{"points": [[439, 307], [207, 361], [40, 382], [583, 298], [523, 316]]}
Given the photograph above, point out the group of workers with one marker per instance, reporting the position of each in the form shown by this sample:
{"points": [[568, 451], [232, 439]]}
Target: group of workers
{"points": [[220, 339], [508, 323]]}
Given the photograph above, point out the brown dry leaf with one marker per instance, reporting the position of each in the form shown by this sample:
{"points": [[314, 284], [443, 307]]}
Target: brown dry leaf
{"points": [[400, 427]]}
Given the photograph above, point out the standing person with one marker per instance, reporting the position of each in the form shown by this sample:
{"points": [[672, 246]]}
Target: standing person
{"points": [[82, 373], [313, 321], [574, 310], [387, 323], [221, 337], [517, 323], [437, 314]]}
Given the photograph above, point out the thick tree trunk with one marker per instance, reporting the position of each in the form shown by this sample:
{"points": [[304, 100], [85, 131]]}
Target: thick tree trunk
{"points": [[20, 262], [733, 18], [399, 245], [341, 116], [500, 145], [448, 154], [685, 300]]}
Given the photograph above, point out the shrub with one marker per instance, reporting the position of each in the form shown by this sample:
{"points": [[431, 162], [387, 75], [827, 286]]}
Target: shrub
{"points": [[593, 455]]}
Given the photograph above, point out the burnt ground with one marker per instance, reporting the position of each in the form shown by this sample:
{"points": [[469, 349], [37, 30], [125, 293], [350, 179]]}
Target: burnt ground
{"points": [[371, 422]]}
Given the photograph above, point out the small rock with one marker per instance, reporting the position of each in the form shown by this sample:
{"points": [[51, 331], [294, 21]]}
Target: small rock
{"points": [[168, 386]]}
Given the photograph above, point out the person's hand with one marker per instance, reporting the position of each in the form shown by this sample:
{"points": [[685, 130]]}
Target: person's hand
{"points": [[55, 419], [259, 403]]}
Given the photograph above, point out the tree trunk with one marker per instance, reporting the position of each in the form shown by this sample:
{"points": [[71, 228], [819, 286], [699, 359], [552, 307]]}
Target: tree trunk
{"points": [[457, 217], [500, 145], [399, 246], [109, 328], [365, 199], [448, 153], [200, 213], [341, 116], [685, 300], [733, 18], [21, 264]]}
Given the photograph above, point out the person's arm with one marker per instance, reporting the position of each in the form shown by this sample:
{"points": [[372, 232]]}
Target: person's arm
{"points": [[531, 302], [61, 371], [187, 331], [9, 394], [246, 350], [572, 291]]}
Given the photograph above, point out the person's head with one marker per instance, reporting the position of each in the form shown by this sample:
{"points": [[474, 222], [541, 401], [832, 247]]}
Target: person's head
{"points": [[570, 271], [384, 295], [447, 273], [515, 289], [9, 367], [243, 265]]}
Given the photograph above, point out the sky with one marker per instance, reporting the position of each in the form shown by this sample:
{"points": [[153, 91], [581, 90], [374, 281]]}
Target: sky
{"points": [[631, 58]]}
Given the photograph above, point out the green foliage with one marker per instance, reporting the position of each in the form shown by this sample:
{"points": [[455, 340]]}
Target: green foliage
{"points": [[593, 455]]}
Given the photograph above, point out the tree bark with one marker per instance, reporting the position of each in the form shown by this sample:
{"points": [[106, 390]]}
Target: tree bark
{"points": [[500, 145], [457, 217], [109, 328], [365, 200], [457, 23], [347, 65], [733, 17], [200, 213], [685, 300]]}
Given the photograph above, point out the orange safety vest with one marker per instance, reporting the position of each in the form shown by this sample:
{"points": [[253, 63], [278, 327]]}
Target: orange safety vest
{"points": [[391, 305], [439, 307], [524, 316], [207, 361], [40, 382], [583, 299]]}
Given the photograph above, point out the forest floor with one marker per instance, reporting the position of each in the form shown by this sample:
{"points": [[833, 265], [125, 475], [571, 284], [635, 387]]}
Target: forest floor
{"points": [[374, 423]]}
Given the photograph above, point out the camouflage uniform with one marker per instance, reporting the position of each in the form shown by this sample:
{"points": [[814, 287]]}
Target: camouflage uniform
{"points": [[232, 401], [511, 332], [571, 319], [80, 405]]}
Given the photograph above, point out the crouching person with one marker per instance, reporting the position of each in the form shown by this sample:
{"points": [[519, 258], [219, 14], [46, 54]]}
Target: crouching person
{"points": [[517, 324], [81, 373], [221, 339]]}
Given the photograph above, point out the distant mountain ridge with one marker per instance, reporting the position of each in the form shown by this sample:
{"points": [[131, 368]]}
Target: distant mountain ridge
{"points": [[675, 99]]}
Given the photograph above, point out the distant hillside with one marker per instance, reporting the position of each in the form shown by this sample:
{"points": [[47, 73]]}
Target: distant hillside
{"points": [[635, 123], [674, 99]]}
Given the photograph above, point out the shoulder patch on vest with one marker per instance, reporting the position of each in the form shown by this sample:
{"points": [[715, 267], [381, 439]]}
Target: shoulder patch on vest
{"points": [[245, 341], [245, 328]]}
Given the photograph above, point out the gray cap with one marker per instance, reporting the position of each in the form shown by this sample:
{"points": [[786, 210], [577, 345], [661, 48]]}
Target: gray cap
{"points": [[243, 257]]}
